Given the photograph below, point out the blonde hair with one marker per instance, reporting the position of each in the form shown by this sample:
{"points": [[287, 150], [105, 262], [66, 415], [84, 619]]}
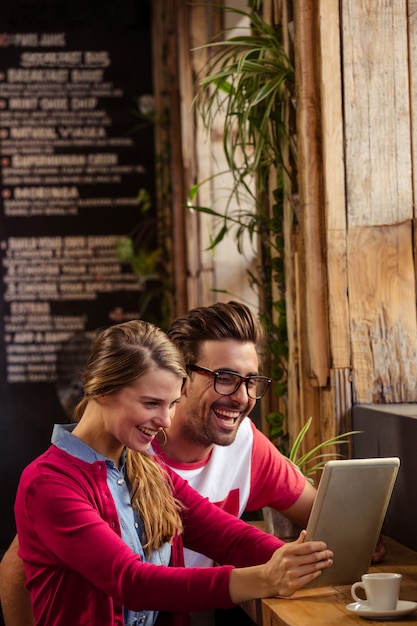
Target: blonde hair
{"points": [[119, 356]]}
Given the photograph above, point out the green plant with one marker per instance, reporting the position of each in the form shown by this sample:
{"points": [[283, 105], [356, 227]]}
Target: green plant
{"points": [[313, 461], [248, 79]]}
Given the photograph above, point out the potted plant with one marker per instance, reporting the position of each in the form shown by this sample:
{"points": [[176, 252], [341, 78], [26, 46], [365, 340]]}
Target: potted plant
{"points": [[310, 464]]}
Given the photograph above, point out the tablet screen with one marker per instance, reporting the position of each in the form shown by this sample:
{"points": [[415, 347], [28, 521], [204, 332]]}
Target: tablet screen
{"points": [[348, 513]]}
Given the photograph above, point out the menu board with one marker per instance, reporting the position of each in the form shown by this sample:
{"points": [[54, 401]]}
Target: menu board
{"points": [[76, 156]]}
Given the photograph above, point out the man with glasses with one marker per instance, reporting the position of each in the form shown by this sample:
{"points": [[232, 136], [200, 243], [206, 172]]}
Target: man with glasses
{"points": [[212, 442]]}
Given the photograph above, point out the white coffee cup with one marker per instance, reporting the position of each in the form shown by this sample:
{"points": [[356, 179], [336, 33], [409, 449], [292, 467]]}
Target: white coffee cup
{"points": [[381, 590]]}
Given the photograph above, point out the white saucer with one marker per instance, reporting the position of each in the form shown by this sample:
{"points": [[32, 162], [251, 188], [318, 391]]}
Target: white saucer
{"points": [[404, 607]]}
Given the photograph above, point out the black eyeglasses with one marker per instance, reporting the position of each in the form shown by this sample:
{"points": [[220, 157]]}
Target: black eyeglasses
{"points": [[226, 382]]}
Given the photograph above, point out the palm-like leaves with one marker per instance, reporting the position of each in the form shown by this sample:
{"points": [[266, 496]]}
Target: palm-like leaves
{"points": [[247, 80], [312, 461]]}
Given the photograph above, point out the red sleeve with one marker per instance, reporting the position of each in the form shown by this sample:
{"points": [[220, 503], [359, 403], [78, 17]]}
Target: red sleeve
{"points": [[275, 482], [61, 531]]}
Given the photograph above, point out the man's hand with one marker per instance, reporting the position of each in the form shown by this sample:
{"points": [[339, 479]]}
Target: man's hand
{"points": [[380, 552]]}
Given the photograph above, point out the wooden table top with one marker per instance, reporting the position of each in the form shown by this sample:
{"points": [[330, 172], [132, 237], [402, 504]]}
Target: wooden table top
{"points": [[326, 606]]}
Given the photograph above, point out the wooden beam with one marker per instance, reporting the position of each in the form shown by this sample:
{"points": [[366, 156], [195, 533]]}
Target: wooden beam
{"points": [[334, 181], [309, 161]]}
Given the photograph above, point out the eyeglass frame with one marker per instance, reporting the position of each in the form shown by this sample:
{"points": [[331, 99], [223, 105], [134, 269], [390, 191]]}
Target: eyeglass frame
{"points": [[199, 369]]}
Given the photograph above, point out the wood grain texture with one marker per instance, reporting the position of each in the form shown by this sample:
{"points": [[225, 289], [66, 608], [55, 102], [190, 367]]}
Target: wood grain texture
{"points": [[350, 247], [412, 52], [377, 112], [326, 606], [334, 182], [170, 190], [315, 318], [383, 314]]}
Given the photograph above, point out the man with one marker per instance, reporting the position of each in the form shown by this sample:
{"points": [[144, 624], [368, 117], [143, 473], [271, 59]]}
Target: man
{"points": [[211, 442]]}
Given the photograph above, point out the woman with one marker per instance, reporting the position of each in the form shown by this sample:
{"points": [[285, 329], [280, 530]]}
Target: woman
{"points": [[101, 527]]}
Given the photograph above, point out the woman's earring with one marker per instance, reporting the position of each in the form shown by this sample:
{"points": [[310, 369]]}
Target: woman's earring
{"points": [[165, 437]]}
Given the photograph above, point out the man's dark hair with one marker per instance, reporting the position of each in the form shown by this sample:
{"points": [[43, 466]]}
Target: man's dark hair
{"points": [[231, 320]]}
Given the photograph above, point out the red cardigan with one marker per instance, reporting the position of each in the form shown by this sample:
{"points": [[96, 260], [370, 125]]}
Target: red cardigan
{"points": [[79, 571]]}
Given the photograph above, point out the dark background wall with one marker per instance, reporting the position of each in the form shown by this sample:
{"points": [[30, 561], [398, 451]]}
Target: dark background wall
{"points": [[391, 430], [76, 148]]}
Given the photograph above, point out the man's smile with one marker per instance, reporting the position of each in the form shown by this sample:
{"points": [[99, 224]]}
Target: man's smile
{"points": [[226, 415]]}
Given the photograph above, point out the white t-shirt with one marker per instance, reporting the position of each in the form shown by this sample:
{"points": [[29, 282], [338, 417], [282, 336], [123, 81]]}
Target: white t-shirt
{"points": [[245, 476]]}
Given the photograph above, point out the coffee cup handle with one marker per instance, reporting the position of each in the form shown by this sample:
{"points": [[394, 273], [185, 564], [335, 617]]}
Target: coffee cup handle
{"points": [[358, 585]]}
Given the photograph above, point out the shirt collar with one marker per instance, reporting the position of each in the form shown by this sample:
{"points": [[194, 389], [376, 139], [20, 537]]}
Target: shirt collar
{"points": [[62, 438]]}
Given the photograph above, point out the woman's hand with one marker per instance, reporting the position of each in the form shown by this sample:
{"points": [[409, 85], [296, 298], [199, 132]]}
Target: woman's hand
{"points": [[297, 563], [291, 567]]}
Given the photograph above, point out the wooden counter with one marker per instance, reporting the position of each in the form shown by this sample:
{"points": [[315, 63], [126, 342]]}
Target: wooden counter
{"points": [[326, 606]]}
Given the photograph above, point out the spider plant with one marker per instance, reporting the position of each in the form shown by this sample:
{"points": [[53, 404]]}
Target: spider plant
{"points": [[247, 81], [313, 461]]}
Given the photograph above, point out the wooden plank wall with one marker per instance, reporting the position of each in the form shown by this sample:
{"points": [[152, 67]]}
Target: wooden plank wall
{"points": [[350, 244], [356, 144], [381, 277], [170, 191], [183, 155], [191, 156], [356, 68]]}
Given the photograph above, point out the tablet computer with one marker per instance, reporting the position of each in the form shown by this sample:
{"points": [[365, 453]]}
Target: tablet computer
{"points": [[348, 514]]}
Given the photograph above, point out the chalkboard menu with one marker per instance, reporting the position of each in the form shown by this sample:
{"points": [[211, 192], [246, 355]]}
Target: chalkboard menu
{"points": [[76, 153]]}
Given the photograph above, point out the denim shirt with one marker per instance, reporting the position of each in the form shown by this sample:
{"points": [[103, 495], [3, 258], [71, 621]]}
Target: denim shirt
{"points": [[130, 523]]}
